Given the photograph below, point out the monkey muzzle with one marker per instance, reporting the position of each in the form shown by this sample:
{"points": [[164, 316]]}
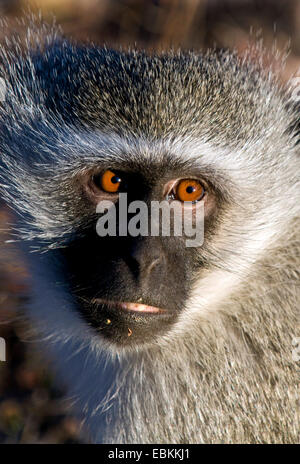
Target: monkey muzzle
{"points": [[129, 323]]}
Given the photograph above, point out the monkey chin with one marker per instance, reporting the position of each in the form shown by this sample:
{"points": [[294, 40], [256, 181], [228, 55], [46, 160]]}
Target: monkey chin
{"points": [[128, 324]]}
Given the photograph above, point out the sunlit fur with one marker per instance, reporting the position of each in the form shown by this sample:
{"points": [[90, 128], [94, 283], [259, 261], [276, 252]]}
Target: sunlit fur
{"points": [[224, 372]]}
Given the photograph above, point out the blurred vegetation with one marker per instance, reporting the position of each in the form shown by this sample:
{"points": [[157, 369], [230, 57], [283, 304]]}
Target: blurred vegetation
{"points": [[31, 407]]}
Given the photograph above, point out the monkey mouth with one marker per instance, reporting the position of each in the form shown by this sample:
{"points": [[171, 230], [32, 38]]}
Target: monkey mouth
{"points": [[127, 323], [129, 307]]}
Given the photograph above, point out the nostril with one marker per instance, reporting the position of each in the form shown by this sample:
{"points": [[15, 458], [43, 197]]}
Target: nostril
{"points": [[154, 263], [151, 267]]}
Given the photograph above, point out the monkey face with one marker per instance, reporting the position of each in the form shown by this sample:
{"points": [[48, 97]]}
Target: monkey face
{"points": [[131, 289]]}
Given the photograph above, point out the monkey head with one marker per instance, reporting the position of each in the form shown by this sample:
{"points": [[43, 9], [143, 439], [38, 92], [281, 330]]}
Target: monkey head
{"points": [[83, 125]]}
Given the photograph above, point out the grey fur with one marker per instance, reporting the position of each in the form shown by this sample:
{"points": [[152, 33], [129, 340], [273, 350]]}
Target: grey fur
{"points": [[224, 372]]}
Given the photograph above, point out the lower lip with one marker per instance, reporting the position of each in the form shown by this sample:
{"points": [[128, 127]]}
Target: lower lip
{"points": [[134, 307]]}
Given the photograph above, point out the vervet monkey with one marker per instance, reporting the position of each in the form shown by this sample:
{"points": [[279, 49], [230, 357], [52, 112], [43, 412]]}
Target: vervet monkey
{"points": [[157, 342]]}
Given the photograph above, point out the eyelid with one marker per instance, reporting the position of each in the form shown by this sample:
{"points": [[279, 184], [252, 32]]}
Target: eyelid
{"points": [[170, 186]]}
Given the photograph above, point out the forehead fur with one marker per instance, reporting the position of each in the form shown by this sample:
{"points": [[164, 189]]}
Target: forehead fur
{"points": [[215, 94]]}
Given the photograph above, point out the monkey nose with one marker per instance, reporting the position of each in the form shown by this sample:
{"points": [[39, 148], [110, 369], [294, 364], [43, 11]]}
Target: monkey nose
{"points": [[146, 261]]}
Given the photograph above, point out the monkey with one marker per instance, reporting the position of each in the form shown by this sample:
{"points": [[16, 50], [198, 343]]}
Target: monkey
{"points": [[154, 341]]}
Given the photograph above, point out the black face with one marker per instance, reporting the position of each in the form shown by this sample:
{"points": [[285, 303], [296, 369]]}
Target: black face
{"points": [[132, 289], [129, 290]]}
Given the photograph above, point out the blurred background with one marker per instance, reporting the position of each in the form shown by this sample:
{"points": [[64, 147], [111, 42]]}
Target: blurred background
{"points": [[32, 409]]}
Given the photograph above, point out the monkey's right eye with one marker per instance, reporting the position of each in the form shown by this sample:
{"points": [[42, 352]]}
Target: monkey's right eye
{"points": [[109, 181]]}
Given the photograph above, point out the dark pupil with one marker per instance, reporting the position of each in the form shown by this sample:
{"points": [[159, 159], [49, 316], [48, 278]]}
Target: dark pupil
{"points": [[115, 180], [190, 189]]}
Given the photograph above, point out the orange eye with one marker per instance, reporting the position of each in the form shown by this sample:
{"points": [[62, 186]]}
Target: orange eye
{"points": [[110, 182], [189, 190]]}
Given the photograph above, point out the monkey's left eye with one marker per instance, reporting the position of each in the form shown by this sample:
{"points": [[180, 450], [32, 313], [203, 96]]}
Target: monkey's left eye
{"points": [[110, 182], [188, 190]]}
